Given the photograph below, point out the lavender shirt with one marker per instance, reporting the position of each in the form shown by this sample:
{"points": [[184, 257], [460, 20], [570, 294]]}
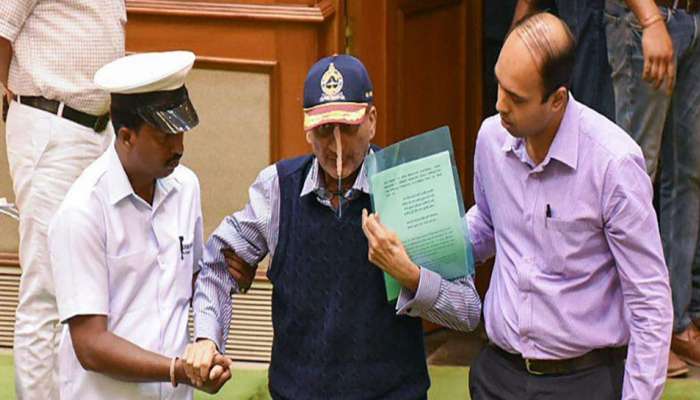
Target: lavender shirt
{"points": [[592, 273]]}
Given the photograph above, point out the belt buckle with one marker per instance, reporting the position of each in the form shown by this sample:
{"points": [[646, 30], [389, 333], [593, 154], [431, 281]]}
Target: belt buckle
{"points": [[101, 123], [529, 369]]}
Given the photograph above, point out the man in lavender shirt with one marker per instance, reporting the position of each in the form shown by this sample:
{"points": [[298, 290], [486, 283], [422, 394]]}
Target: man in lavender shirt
{"points": [[579, 305]]}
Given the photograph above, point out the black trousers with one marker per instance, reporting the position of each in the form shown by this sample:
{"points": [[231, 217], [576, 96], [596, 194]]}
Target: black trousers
{"points": [[494, 377]]}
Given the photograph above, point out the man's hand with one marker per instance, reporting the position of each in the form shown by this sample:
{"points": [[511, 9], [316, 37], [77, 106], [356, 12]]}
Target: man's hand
{"points": [[659, 60], [219, 374], [239, 270], [523, 8], [657, 47], [198, 360], [388, 253]]}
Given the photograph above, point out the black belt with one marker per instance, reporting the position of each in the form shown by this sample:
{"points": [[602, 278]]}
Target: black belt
{"points": [[96, 123], [593, 358]]}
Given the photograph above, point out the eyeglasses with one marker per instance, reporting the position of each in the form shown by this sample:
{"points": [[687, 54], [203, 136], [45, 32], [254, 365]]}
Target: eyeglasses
{"points": [[326, 130]]}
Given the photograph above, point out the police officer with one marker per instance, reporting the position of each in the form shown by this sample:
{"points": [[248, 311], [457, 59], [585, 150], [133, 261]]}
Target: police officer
{"points": [[126, 241]]}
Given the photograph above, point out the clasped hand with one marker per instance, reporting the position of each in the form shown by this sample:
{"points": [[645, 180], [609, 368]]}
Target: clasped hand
{"points": [[205, 367]]}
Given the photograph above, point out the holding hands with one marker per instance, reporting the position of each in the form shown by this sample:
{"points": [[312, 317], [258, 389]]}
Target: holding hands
{"points": [[205, 367]]}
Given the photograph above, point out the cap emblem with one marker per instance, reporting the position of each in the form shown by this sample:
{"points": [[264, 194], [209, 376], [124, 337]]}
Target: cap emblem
{"points": [[332, 85]]}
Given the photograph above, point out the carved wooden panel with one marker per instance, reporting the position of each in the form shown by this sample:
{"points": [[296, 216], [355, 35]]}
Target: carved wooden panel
{"points": [[424, 57]]}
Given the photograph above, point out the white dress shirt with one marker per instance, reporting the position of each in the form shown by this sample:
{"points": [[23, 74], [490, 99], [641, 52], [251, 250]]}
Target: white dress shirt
{"points": [[114, 254]]}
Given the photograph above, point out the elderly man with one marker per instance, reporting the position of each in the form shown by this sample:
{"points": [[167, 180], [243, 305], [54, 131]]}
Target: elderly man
{"points": [[57, 124], [336, 335], [126, 242], [579, 305]]}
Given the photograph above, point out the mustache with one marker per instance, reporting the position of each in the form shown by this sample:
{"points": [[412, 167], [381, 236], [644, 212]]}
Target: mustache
{"points": [[176, 158]]}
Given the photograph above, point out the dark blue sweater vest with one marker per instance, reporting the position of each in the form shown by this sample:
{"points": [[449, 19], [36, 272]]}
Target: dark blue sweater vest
{"points": [[336, 335]]}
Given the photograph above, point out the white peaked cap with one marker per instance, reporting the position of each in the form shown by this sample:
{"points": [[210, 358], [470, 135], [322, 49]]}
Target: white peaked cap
{"points": [[145, 72]]}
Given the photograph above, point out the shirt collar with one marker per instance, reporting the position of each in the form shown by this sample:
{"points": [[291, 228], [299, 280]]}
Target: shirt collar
{"points": [[120, 188], [313, 179], [564, 147]]}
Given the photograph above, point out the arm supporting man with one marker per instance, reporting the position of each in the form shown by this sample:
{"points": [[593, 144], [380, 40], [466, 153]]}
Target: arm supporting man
{"points": [[100, 350], [77, 250], [228, 266]]}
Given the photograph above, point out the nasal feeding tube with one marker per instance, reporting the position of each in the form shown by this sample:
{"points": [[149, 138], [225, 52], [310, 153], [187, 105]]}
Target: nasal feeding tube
{"points": [[339, 169]]}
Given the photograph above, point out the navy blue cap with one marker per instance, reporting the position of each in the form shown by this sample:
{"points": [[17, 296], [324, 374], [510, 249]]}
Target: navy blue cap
{"points": [[337, 90]]}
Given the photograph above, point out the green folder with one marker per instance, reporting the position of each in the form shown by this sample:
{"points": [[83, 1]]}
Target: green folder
{"points": [[414, 186]]}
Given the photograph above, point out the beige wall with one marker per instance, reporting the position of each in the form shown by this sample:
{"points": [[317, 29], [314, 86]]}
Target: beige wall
{"points": [[232, 144], [227, 150]]}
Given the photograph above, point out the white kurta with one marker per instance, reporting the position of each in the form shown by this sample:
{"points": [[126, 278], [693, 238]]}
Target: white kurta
{"points": [[114, 254]]}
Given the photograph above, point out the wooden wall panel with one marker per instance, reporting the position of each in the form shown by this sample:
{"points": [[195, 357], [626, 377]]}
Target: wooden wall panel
{"points": [[291, 35], [425, 61], [424, 57]]}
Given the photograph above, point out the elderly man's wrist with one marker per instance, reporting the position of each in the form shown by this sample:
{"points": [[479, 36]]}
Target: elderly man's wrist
{"points": [[409, 277]]}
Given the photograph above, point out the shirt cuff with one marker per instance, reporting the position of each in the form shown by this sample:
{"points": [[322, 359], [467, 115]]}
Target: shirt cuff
{"points": [[208, 327], [424, 298]]}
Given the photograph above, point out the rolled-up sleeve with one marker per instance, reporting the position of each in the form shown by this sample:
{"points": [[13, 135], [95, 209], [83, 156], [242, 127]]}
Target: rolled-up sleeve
{"points": [[245, 232], [632, 233], [77, 254], [13, 13]]}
